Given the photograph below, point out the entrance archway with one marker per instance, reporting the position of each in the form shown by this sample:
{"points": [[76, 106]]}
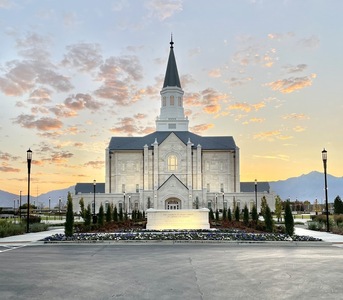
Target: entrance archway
{"points": [[173, 203]]}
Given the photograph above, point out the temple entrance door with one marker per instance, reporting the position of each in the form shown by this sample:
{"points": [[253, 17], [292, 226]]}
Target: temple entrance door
{"points": [[173, 204]]}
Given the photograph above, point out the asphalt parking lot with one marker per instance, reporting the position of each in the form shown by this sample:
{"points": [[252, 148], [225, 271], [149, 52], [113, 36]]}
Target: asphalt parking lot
{"points": [[171, 271]]}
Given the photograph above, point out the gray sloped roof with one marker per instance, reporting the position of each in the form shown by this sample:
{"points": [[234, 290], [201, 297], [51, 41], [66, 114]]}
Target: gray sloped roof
{"points": [[86, 188], [206, 142], [249, 187], [172, 75]]}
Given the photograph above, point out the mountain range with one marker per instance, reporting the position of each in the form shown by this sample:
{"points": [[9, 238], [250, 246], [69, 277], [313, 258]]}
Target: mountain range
{"points": [[305, 187]]}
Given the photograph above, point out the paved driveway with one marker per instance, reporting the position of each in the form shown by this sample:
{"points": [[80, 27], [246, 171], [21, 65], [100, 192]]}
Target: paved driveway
{"points": [[172, 271]]}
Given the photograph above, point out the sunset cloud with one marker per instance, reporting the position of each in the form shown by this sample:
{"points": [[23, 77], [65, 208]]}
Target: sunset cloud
{"points": [[40, 96], [8, 169], [118, 75], [95, 164], [295, 116], [295, 69], [311, 42], [43, 124], [209, 100], [291, 84], [81, 101], [234, 81], [84, 57], [268, 135], [246, 107], [198, 129], [130, 126], [163, 9], [59, 157], [7, 156]]}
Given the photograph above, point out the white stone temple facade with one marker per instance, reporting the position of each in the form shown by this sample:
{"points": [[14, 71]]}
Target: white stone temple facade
{"points": [[173, 168]]}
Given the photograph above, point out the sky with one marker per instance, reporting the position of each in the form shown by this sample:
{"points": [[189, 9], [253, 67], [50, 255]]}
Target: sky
{"points": [[75, 73]]}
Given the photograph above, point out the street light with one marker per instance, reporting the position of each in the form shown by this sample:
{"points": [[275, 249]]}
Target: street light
{"points": [[124, 203], [129, 203], [59, 207], [29, 160], [94, 215], [223, 201], [20, 205], [325, 158], [256, 193]]}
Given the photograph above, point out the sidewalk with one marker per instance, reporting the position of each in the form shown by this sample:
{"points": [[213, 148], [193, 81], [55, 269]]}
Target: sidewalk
{"points": [[325, 236], [27, 238]]}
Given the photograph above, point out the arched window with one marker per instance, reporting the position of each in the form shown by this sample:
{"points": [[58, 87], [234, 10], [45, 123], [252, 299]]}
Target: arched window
{"points": [[171, 100], [172, 163]]}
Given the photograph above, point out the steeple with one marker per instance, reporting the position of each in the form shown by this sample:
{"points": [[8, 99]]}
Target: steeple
{"points": [[172, 116], [172, 76]]}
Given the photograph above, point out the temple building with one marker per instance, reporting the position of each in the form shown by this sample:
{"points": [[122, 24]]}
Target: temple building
{"points": [[173, 168]]}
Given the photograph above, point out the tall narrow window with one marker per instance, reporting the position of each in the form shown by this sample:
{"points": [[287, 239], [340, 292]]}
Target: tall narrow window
{"points": [[208, 187], [171, 100], [164, 101], [123, 188], [137, 188], [222, 187], [172, 163], [179, 101]]}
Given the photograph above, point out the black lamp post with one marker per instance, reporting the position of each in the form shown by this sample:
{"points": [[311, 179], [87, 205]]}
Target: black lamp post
{"points": [[94, 215], [124, 203], [59, 207], [29, 160], [325, 158], [20, 205], [256, 193]]}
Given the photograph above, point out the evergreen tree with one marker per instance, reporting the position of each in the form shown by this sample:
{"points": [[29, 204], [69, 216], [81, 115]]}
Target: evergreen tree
{"points": [[82, 207], [101, 217], [268, 219], [217, 215], [143, 215], [237, 213], [211, 215], [289, 221], [229, 215], [121, 216], [224, 214], [278, 207], [88, 215], [109, 213], [246, 215], [263, 206], [254, 214], [69, 224], [338, 205], [115, 214]]}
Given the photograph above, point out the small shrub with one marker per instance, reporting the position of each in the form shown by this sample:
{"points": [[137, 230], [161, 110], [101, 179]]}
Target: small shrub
{"points": [[338, 219]]}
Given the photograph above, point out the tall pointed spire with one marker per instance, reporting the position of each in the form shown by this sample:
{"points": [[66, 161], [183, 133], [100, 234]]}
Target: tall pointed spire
{"points": [[172, 76], [172, 116]]}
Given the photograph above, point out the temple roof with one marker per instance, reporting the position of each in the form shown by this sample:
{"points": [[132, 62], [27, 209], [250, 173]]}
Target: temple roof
{"points": [[206, 142]]}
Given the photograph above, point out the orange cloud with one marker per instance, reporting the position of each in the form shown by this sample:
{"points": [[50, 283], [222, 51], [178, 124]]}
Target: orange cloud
{"points": [[43, 124], [201, 128], [215, 73], [291, 84], [295, 116], [243, 106], [95, 164]]}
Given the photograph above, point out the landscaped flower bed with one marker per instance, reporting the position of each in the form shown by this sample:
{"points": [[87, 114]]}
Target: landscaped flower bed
{"points": [[183, 235]]}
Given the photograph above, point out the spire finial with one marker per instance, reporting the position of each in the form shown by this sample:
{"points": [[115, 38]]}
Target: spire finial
{"points": [[171, 41]]}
